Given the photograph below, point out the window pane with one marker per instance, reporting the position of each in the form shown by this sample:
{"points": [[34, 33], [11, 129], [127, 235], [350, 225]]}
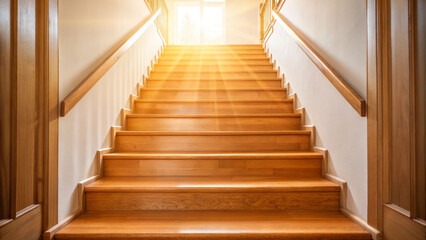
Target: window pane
{"points": [[213, 25], [188, 25]]}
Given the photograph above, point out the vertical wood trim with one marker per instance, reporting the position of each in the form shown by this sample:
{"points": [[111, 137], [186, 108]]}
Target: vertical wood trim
{"points": [[13, 99], [5, 109], [47, 51], [413, 97], [374, 131], [51, 114]]}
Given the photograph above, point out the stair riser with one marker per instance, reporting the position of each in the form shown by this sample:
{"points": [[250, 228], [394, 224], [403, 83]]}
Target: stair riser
{"points": [[239, 68], [213, 84], [211, 54], [213, 75], [213, 201], [214, 143], [212, 94], [206, 62], [287, 168], [213, 124], [213, 108], [212, 51], [215, 47], [253, 57]]}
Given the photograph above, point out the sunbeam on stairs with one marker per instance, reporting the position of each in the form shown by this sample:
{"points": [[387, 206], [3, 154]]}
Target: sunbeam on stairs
{"points": [[212, 149]]}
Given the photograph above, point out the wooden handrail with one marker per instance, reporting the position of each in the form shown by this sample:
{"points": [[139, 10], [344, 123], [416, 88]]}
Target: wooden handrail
{"points": [[354, 99], [84, 87]]}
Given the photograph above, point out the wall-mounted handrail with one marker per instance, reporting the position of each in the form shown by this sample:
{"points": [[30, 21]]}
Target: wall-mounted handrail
{"points": [[354, 99], [84, 87]]}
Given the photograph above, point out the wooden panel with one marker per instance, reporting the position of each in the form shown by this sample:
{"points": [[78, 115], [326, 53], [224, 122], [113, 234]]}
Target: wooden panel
{"points": [[420, 102], [24, 103], [213, 201], [402, 226], [5, 109], [401, 107], [26, 227]]}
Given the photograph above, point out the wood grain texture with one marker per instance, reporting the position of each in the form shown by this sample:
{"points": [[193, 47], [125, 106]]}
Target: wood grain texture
{"points": [[157, 122], [48, 82], [147, 106], [406, 228], [354, 99], [288, 168], [214, 141], [5, 108], [84, 87], [214, 83], [259, 225], [201, 137], [27, 226], [212, 201], [210, 94]]}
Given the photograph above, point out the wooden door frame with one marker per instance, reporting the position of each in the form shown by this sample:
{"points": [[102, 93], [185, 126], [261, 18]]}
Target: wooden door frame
{"points": [[42, 213], [376, 72], [48, 76], [378, 108]]}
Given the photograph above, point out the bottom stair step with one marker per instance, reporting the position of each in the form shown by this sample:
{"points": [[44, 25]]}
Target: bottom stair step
{"points": [[212, 225]]}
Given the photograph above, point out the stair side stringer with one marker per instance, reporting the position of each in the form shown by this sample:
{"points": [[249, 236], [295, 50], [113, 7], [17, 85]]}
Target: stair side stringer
{"points": [[376, 234]]}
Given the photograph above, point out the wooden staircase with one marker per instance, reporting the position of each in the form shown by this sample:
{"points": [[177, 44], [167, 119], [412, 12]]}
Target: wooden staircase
{"points": [[213, 149]]}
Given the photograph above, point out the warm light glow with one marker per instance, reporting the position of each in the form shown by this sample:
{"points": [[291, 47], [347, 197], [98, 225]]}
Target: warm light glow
{"points": [[200, 22]]}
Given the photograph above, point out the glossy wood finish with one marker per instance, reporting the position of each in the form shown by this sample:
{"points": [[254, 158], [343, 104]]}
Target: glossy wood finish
{"points": [[29, 118], [48, 72], [393, 173], [288, 165], [356, 101], [219, 83], [212, 94], [5, 108], [148, 106], [28, 226], [212, 139], [157, 122], [212, 225], [84, 87]]}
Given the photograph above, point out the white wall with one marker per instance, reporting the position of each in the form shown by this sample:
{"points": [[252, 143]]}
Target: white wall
{"points": [[241, 21], [88, 32], [337, 30]]}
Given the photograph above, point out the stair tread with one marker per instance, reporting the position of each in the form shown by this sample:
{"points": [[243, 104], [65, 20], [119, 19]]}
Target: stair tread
{"points": [[215, 71], [210, 184], [227, 65], [272, 115], [210, 89], [213, 155], [211, 133], [215, 100], [212, 79], [212, 225]]}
